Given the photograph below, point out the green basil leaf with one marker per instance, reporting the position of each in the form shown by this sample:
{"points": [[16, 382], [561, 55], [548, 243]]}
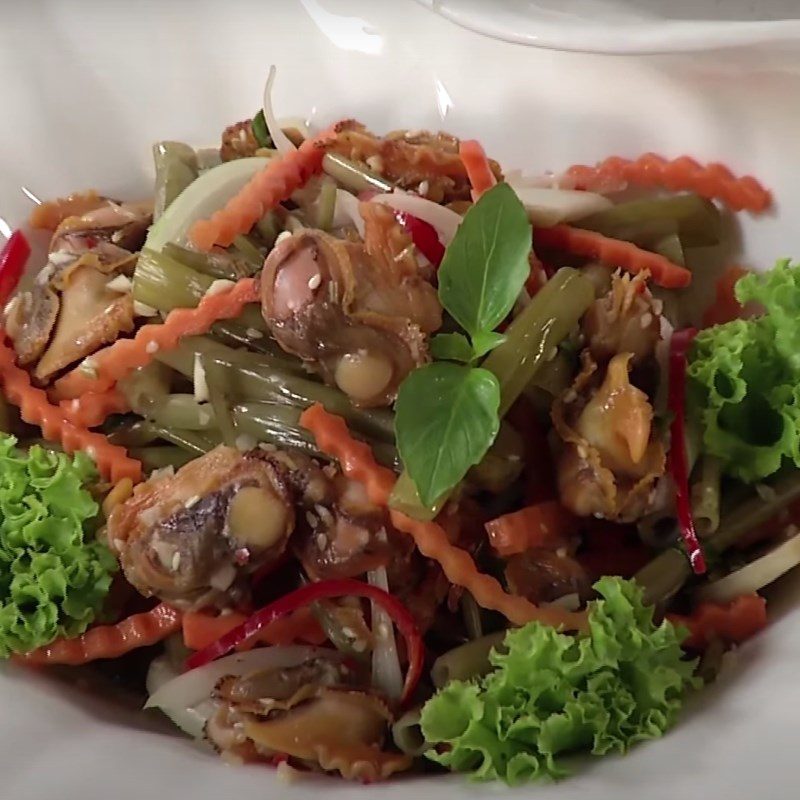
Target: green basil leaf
{"points": [[485, 341], [260, 130], [451, 347], [486, 265], [445, 420]]}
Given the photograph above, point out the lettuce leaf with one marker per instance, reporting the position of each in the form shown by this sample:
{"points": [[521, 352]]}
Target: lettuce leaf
{"points": [[54, 574], [553, 694], [744, 379]]}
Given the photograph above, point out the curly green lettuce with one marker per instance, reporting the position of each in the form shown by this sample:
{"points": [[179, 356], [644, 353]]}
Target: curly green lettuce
{"points": [[54, 574], [744, 379], [553, 694]]}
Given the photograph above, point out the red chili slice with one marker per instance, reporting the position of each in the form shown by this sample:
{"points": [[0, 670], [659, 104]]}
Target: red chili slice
{"points": [[424, 236], [13, 258], [678, 462], [304, 596]]}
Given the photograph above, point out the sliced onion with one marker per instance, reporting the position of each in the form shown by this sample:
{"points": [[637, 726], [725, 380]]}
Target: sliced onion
{"points": [[281, 141], [386, 672], [347, 211], [186, 699], [200, 199], [755, 575], [548, 207], [443, 219]]}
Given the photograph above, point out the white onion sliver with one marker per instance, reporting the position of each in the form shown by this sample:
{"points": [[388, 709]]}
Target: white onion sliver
{"points": [[547, 207], [755, 575], [347, 211], [185, 699], [443, 219], [281, 141], [386, 672]]}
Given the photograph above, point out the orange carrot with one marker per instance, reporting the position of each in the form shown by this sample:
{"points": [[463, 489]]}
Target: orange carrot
{"points": [[112, 461], [614, 253], [358, 463], [125, 355], [732, 622], [109, 641], [713, 181], [274, 184], [201, 629], [725, 306], [91, 409], [479, 171], [546, 524]]}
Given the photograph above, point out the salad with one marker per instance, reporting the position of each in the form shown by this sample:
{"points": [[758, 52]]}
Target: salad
{"points": [[358, 454]]}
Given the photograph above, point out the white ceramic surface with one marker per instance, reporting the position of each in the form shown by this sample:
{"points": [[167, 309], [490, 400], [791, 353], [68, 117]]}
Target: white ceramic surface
{"points": [[629, 26], [88, 86]]}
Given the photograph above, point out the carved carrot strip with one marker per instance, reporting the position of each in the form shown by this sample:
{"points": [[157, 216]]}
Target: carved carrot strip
{"points": [[358, 463], [274, 184], [712, 181], [113, 462], [125, 355]]}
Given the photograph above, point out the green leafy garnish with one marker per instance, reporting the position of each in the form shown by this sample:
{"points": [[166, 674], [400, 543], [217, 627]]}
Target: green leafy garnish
{"points": [[486, 264], [745, 379], [449, 404], [452, 347], [447, 415], [54, 575], [552, 694], [260, 130]]}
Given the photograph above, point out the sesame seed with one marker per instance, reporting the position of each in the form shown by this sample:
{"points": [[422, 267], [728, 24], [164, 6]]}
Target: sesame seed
{"points": [[324, 514], [349, 633], [282, 237], [314, 281], [424, 188], [322, 541], [311, 519], [219, 286], [199, 379], [245, 442], [163, 472], [88, 368], [120, 283], [176, 561], [204, 417], [646, 320], [151, 347], [76, 404], [91, 452], [384, 630], [552, 353], [561, 552], [267, 447], [143, 310], [61, 257], [119, 544], [193, 500], [359, 646], [252, 333]]}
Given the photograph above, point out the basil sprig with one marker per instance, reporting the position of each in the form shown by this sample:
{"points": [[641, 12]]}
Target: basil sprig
{"points": [[447, 413]]}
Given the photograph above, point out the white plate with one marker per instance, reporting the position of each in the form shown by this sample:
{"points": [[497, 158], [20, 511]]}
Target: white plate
{"points": [[88, 86], [628, 26]]}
